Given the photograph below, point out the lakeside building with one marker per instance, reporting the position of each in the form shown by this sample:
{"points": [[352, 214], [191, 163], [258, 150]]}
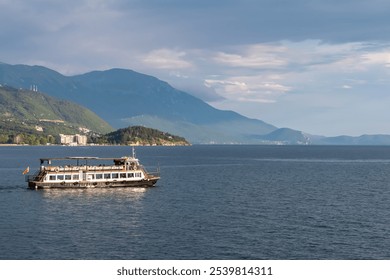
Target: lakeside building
{"points": [[73, 140]]}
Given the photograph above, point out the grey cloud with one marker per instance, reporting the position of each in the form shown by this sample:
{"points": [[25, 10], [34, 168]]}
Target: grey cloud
{"points": [[215, 23]]}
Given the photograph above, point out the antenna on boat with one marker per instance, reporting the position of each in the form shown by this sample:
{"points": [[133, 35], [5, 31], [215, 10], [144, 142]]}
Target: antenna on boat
{"points": [[133, 151]]}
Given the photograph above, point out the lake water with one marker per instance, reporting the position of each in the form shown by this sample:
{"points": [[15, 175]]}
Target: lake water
{"points": [[212, 202]]}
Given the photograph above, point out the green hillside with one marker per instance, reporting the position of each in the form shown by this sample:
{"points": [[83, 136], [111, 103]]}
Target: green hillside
{"points": [[36, 116], [139, 135]]}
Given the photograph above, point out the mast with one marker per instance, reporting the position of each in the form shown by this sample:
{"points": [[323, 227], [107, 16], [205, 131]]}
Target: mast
{"points": [[133, 151]]}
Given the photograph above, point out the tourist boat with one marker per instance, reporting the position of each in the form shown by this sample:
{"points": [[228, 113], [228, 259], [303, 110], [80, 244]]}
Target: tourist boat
{"points": [[121, 172]]}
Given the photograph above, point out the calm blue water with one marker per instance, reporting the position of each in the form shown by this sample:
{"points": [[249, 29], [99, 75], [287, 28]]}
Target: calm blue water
{"points": [[213, 202]]}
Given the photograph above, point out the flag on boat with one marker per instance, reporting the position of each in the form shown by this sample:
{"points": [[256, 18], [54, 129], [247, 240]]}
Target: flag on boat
{"points": [[26, 170]]}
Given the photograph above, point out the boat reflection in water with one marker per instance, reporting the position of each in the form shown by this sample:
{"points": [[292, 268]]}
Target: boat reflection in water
{"points": [[131, 194]]}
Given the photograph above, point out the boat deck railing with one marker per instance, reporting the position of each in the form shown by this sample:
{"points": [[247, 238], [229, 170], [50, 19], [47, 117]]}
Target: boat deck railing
{"points": [[35, 177], [153, 173], [84, 168]]}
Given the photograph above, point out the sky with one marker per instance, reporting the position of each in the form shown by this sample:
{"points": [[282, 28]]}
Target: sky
{"points": [[322, 67]]}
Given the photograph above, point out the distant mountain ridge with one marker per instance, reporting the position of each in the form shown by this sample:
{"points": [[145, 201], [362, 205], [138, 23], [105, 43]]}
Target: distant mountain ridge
{"points": [[126, 98], [376, 139], [286, 136]]}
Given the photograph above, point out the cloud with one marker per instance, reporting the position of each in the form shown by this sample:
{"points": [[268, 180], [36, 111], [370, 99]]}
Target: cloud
{"points": [[254, 56], [316, 84], [265, 73], [167, 59], [248, 89], [377, 58]]}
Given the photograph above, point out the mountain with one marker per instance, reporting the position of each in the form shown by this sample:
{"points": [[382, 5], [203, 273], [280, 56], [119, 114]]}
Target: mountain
{"points": [[127, 98], [286, 136], [139, 135], [33, 112], [376, 139]]}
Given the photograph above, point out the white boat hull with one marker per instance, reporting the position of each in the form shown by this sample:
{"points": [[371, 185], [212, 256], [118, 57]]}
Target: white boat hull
{"points": [[115, 184]]}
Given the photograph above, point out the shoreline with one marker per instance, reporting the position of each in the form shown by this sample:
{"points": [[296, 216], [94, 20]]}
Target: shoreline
{"points": [[91, 145]]}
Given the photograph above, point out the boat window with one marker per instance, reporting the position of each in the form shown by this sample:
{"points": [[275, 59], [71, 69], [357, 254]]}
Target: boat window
{"points": [[130, 175], [122, 175], [60, 177], [76, 177], [107, 176], [138, 174], [68, 177], [99, 176], [52, 177], [115, 175]]}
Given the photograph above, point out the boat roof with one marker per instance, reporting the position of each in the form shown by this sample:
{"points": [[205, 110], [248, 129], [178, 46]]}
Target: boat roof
{"points": [[87, 158]]}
